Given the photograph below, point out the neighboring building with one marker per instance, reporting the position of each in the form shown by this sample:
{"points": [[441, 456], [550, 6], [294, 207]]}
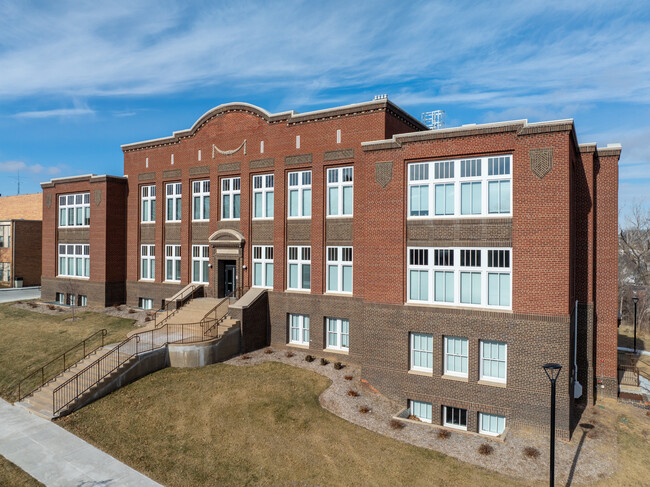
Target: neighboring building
{"points": [[446, 263], [20, 240]]}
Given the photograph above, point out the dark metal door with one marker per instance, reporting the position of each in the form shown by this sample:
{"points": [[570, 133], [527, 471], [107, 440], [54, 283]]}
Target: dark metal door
{"points": [[229, 281]]}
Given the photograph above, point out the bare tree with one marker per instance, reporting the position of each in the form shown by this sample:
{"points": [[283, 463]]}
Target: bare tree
{"points": [[70, 287]]}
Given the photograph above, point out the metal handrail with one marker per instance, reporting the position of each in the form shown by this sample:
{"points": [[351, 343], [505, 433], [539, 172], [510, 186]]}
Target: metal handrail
{"points": [[178, 300], [103, 332], [624, 380]]}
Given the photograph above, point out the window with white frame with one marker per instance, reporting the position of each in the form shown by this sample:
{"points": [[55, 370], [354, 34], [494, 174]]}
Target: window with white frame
{"points": [[340, 191], [298, 329], [201, 200], [300, 194], [339, 269], [74, 210], [147, 262], [491, 424], [471, 187], [263, 266], [421, 410], [200, 263], [173, 263], [83, 300], [338, 333], [263, 196], [230, 198], [456, 356], [145, 303], [422, 352], [299, 272], [493, 361], [74, 260], [60, 298], [173, 192], [454, 417], [148, 203], [460, 277]]}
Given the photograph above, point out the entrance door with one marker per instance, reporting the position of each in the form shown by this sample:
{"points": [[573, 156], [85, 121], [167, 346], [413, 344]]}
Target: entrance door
{"points": [[229, 279]]}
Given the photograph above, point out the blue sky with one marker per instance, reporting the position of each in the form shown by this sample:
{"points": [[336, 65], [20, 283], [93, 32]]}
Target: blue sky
{"points": [[77, 81]]}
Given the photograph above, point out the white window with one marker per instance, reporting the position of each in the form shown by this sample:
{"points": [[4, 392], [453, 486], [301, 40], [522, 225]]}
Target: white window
{"points": [[460, 277], [173, 191], [421, 410], [340, 191], [422, 352], [338, 136], [200, 263], [491, 424], [74, 260], [300, 194], [297, 141], [456, 356], [72, 300], [83, 300], [201, 200], [173, 263], [60, 298], [74, 210], [454, 417], [299, 260], [148, 262], [298, 329], [145, 303], [263, 266], [493, 361], [148, 204], [230, 198], [476, 187], [338, 333], [263, 196], [339, 269]]}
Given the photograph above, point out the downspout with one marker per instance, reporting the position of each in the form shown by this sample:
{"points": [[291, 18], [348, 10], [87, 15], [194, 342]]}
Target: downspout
{"points": [[12, 242], [577, 387]]}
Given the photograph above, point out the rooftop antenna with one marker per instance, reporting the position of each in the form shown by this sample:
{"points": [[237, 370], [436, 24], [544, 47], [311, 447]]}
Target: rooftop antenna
{"points": [[381, 97], [434, 119], [18, 182]]}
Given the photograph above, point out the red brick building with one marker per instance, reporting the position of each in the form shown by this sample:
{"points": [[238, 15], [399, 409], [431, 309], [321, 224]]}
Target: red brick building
{"points": [[447, 263]]}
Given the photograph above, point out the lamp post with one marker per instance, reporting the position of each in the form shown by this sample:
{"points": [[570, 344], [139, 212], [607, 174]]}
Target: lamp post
{"points": [[636, 300], [552, 372]]}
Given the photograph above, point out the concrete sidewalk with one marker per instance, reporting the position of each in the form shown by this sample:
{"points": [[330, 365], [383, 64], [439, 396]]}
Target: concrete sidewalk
{"points": [[11, 294], [56, 457]]}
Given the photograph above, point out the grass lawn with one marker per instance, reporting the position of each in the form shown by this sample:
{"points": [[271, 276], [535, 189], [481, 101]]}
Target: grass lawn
{"points": [[626, 339], [29, 339], [12, 476], [261, 425]]}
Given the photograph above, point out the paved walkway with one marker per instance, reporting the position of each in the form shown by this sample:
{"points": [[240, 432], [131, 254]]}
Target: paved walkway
{"points": [[10, 294], [56, 457]]}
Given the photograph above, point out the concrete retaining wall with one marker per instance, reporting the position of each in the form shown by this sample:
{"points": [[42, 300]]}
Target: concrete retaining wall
{"points": [[205, 353]]}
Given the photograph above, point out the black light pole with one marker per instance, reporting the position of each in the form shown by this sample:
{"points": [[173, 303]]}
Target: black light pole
{"points": [[552, 372], [636, 300]]}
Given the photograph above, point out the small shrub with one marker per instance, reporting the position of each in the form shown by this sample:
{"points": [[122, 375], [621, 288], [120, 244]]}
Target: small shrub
{"points": [[131, 311], [531, 452], [19, 302], [396, 425], [647, 413], [364, 409], [245, 357], [268, 351], [309, 358], [60, 310], [353, 393], [485, 449], [33, 305], [444, 434], [147, 318], [117, 306], [324, 361], [338, 365], [289, 354], [348, 377], [51, 307], [413, 418]]}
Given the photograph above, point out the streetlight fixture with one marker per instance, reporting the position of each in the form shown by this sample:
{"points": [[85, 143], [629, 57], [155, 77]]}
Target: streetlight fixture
{"points": [[552, 372], [636, 300]]}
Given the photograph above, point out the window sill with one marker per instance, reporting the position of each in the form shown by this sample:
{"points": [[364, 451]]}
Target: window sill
{"points": [[298, 291], [172, 221], [421, 372], [146, 280], [336, 350], [339, 216], [335, 293], [80, 278], [262, 219], [70, 227], [458, 306], [200, 221], [493, 383], [171, 282], [455, 377], [148, 223], [230, 219], [298, 345], [304, 218], [455, 427]]}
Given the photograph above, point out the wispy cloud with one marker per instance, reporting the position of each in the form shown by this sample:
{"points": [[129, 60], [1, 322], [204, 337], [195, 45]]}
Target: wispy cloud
{"points": [[58, 112], [34, 169]]}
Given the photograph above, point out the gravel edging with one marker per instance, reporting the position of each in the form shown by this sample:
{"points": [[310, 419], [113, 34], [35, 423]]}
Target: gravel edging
{"points": [[596, 458], [139, 316]]}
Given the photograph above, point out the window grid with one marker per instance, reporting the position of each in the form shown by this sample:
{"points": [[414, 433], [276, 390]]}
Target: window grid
{"points": [[173, 198], [340, 191], [74, 210], [338, 333], [173, 263], [454, 417], [299, 268], [200, 200], [460, 277], [263, 266], [491, 424], [339, 270], [201, 263], [263, 197], [422, 352], [145, 303], [493, 361], [460, 188], [299, 194], [298, 329], [147, 262], [230, 198], [421, 410], [74, 260], [456, 356], [148, 204]]}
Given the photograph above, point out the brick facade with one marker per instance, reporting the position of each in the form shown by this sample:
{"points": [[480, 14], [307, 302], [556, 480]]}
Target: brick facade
{"points": [[563, 203]]}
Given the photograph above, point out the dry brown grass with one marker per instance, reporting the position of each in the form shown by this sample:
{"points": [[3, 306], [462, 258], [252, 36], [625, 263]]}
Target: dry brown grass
{"points": [[12, 476], [444, 434], [485, 449]]}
